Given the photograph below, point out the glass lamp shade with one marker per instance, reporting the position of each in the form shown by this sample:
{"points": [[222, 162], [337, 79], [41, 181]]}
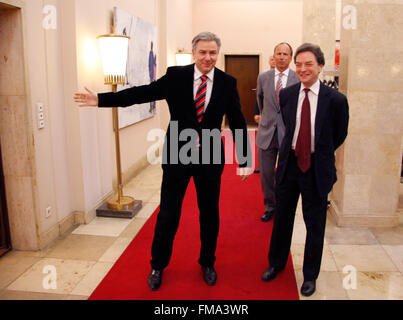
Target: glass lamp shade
{"points": [[183, 59], [113, 49]]}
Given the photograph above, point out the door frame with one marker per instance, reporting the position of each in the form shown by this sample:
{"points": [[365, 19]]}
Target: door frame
{"points": [[23, 214], [5, 240]]}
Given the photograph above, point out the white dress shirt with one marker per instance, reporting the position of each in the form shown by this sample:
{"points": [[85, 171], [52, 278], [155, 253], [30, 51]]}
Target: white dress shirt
{"points": [[284, 77], [313, 101], [197, 82]]}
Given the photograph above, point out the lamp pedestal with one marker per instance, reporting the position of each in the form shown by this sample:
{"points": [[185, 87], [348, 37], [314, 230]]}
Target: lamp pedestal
{"points": [[129, 213]]}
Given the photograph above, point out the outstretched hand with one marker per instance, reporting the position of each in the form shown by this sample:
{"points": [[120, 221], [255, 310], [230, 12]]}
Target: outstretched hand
{"points": [[89, 99], [244, 173]]}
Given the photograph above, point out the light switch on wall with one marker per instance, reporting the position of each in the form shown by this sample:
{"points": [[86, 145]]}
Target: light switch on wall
{"points": [[40, 115]]}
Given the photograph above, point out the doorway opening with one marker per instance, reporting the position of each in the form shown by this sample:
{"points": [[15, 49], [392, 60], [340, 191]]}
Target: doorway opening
{"points": [[245, 68], [17, 211]]}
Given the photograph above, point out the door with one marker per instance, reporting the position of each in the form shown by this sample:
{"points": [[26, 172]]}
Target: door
{"points": [[5, 243], [245, 68]]}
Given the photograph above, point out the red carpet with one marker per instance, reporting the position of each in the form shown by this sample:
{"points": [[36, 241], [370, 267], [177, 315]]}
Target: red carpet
{"points": [[241, 254]]}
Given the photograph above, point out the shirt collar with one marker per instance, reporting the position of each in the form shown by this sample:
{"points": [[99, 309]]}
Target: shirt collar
{"points": [[285, 72], [314, 88], [198, 74]]}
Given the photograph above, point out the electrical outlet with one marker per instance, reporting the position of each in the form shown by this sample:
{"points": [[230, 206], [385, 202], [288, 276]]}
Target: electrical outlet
{"points": [[41, 124], [48, 212], [39, 107]]}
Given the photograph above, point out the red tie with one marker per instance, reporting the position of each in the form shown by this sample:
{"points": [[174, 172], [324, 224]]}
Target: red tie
{"points": [[303, 147], [201, 98]]}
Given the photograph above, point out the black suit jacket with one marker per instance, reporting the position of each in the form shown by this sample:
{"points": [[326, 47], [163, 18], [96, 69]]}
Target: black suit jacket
{"points": [[331, 125], [176, 86]]}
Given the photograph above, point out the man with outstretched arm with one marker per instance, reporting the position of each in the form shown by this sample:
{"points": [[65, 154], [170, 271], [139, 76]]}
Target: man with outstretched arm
{"points": [[198, 96]]}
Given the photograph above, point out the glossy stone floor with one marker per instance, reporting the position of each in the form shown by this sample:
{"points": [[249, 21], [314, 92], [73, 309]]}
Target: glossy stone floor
{"points": [[358, 263]]}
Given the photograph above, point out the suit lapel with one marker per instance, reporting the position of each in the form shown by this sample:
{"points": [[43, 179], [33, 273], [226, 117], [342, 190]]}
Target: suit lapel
{"points": [[322, 109], [188, 89], [294, 104], [272, 87], [291, 76], [189, 81], [217, 88]]}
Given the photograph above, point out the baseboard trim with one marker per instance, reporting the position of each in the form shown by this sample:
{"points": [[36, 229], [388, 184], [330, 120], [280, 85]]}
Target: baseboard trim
{"points": [[79, 217], [362, 220], [59, 229]]}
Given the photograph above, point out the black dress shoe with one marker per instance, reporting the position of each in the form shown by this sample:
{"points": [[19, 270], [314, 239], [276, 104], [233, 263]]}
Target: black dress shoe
{"points": [[308, 288], [267, 216], [154, 279], [209, 275], [270, 273]]}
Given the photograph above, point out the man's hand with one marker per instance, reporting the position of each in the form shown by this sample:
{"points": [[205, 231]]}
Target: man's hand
{"points": [[89, 99], [257, 118], [244, 173]]}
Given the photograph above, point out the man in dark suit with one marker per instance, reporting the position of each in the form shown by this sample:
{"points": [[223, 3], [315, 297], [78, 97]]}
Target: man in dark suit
{"points": [[198, 96], [316, 121]]}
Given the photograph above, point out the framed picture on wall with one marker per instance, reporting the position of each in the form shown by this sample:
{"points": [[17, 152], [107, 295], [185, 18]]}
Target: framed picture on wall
{"points": [[141, 62]]}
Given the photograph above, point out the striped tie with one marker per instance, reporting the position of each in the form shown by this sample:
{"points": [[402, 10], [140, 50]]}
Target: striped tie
{"points": [[201, 98], [279, 86]]}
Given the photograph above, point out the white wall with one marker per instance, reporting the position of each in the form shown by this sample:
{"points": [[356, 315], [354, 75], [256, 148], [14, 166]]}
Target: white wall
{"points": [[75, 152], [175, 33], [44, 64], [248, 26], [93, 17], [179, 27]]}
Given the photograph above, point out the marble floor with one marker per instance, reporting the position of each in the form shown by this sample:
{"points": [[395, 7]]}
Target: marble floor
{"points": [[357, 264]]}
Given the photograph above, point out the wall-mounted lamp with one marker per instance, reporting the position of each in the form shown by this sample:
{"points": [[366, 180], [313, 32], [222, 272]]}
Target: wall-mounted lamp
{"points": [[183, 58]]}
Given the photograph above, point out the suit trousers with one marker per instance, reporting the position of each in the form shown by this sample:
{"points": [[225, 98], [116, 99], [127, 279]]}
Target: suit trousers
{"points": [[314, 207], [173, 190], [267, 163]]}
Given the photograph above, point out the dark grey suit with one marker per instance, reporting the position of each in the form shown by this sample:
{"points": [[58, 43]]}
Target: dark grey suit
{"points": [[270, 132]]}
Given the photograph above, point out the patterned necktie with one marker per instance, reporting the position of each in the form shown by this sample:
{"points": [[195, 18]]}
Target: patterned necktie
{"points": [[303, 146], [279, 86], [201, 98]]}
